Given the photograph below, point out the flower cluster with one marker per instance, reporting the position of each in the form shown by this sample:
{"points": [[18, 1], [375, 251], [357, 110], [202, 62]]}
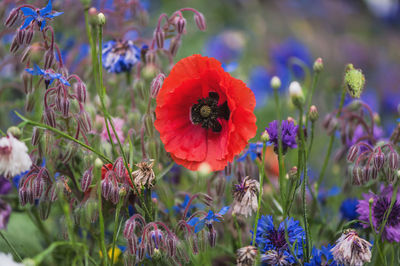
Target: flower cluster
{"points": [[286, 131]]}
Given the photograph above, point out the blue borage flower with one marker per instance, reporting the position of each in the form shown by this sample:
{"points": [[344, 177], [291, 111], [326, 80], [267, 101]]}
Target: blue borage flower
{"points": [[180, 207], [120, 56], [269, 238], [211, 217], [48, 75], [254, 150], [39, 15], [321, 256]]}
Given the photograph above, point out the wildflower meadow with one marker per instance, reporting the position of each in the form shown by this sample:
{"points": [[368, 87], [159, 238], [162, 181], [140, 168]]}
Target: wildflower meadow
{"points": [[242, 132]]}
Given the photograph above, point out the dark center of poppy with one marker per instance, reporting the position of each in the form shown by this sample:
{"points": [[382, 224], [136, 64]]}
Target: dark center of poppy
{"points": [[380, 208], [277, 238], [207, 111]]}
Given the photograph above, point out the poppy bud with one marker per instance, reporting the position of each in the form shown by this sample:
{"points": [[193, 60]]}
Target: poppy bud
{"points": [[200, 21], [393, 159], [50, 117], [357, 175], [159, 36], [354, 80], [296, 94], [81, 92], [12, 17], [156, 85], [87, 179], [379, 159], [276, 82], [181, 25], [106, 187], [318, 65], [353, 152]]}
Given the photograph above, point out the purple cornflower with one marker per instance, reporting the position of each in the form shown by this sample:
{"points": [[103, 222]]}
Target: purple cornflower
{"points": [[39, 15], [5, 185], [289, 134], [49, 75], [379, 206]]}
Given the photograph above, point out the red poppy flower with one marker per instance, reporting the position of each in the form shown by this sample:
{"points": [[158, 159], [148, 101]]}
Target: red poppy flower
{"points": [[203, 114]]}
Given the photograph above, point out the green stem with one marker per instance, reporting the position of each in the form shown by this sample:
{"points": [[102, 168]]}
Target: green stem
{"points": [[311, 139], [116, 228], [62, 134], [10, 246], [375, 238], [239, 231], [45, 253], [2, 133], [310, 94], [282, 185], [261, 170], [328, 153], [101, 218]]}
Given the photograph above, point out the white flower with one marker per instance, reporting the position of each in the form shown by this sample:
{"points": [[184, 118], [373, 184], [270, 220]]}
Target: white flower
{"points": [[14, 158], [295, 89], [7, 259], [351, 250]]}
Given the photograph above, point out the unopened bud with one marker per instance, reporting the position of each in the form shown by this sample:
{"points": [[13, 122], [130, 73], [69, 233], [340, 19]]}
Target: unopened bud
{"points": [[175, 44], [12, 17], [156, 85], [14, 45], [292, 173], [393, 159], [48, 58], [119, 167], [101, 19], [353, 152], [106, 187], [276, 82], [21, 36], [313, 113], [318, 65], [371, 201], [357, 175], [87, 179], [15, 132], [296, 94], [81, 92], [159, 35], [181, 25], [354, 80], [36, 135], [265, 136], [200, 21], [379, 159], [28, 37], [50, 117]]}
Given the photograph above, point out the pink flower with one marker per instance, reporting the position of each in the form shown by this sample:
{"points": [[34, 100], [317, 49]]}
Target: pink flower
{"points": [[118, 124]]}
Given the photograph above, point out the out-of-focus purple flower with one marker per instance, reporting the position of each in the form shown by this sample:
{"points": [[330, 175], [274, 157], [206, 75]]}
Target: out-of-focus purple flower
{"points": [[288, 135], [348, 209], [120, 56], [5, 211], [323, 194], [384, 9], [48, 75], [285, 53], [118, 124], [381, 203], [40, 16], [5, 185], [359, 134], [226, 46]]}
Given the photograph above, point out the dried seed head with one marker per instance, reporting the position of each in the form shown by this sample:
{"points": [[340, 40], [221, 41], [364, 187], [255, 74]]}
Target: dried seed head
{"points": [[353, 152], [246, 256], [144, 176]]}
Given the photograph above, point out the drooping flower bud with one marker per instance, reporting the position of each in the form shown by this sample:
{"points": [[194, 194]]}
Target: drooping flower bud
{"points": [[357, 175], [393, 159], [132, 244], [50, 117], [86, 180], [200, 21], [156, 85], [379, 159], [81, 92], [129, 229], [354, 80], [353, 152], [106, 187], [159, 35], [36, 135], [119, 167], [181, 25], [175, 44], [28, 37], [12, 17]]}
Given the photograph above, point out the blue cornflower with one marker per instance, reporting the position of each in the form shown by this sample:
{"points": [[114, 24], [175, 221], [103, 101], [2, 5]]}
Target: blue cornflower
{"points": [[48, 75], [39, 15], [254, 151], [272, 242], [289, 134], [348, 209], [226, 46], [208, 219], [324, 255], [120, 56]]}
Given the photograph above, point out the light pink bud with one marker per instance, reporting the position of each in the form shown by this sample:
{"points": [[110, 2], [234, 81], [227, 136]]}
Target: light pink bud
{"points": [[353, 152], [181, 25], [156, 85], [12, 17], [160, 36], [200, 21], [86, 180]]}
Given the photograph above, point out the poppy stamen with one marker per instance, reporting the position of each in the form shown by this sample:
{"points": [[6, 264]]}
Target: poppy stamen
{"points": [[206, 112]]}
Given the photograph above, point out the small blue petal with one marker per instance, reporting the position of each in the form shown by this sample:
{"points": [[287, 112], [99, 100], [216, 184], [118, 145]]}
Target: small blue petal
{"points": [[47, 9], [27, 11], [199, 226], [193, 221], [223, 210], [28, 21], [43, 25]]}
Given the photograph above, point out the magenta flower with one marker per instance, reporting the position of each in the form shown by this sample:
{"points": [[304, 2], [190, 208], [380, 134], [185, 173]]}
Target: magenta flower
{"points": [[118, 124]]}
